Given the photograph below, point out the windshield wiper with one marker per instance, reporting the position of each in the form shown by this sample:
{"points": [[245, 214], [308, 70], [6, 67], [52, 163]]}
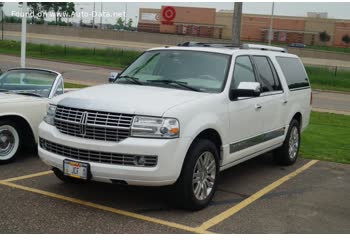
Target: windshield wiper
{"points": [[131, 79], [181, 84], [3, 90], [29, 94]]}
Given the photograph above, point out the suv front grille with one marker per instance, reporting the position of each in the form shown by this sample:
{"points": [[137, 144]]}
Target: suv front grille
{"points": [[97, 156], [95, 125]]}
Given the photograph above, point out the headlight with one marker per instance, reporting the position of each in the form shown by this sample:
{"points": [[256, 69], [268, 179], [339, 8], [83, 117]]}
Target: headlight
{"points": [[50, 115], [153, 127]]}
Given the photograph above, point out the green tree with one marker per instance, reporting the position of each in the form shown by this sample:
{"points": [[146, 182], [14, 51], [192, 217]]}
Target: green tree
{"points": [[324, 36], [346, 39], [120, 23], [37, 10], [59, 8], [130, 23]]}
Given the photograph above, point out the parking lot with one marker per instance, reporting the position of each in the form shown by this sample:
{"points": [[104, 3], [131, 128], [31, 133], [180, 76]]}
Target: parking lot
{"points": [[254, 197]]}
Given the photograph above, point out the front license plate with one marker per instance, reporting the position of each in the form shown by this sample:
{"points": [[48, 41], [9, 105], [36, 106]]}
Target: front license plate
{"points": [[75, 169]]}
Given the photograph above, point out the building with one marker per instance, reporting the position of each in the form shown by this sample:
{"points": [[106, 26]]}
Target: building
{"points": [[206, 22]]}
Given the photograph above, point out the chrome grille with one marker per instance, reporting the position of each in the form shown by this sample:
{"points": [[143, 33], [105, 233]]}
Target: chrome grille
{"points": [[95, 125], [97, 156]]}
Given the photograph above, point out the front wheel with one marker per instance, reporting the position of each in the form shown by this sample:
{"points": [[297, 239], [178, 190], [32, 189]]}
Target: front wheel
{"points": [[10, 141], [287, 154], [197, 183]]}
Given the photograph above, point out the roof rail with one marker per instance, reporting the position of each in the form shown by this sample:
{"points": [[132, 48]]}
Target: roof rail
{"points": [[201, 44], [263, 47]]}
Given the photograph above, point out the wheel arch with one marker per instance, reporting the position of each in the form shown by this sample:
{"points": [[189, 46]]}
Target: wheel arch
{"points": [[26, 128]]}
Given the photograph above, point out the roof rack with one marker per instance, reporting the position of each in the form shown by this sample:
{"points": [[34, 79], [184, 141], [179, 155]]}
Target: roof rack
{"points": [[263, 47], [229, 45], [201, 44]]}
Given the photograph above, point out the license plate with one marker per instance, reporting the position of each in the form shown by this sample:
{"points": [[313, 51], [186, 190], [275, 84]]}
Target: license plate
{"points": [[76, 169]]}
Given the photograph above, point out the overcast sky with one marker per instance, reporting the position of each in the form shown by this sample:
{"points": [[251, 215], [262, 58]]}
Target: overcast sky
{"points": [[335, 10]]}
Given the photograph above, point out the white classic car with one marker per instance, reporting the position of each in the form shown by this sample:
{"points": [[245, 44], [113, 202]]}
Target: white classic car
{"points": [[24, 96]]}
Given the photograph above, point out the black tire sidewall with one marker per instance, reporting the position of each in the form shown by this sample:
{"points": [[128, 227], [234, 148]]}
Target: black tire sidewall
{"points": [[283, 155], [184, 184]]}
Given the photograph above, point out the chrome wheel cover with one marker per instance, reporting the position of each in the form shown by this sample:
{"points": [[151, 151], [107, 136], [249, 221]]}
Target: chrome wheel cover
{"points": [[9, 142], [293, 142], [204, 175]]}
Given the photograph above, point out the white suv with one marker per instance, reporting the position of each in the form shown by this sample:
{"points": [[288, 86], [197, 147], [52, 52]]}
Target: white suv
{"points": [[178, 116]]}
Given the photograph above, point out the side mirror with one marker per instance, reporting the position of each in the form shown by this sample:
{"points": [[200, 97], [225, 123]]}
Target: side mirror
{"points": [[246, 89], [112, 77]]}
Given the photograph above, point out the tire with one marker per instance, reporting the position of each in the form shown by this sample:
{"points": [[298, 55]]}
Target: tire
{"points": [[10, 141], [66, 179], [287, 154], [190, 188]]}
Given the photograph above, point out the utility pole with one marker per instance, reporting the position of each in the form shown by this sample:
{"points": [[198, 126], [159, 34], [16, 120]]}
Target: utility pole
{"points": [[101, 15], [93, 16], [2, 20], [126, 10], [24, 35], [270, 36], [236, 24]]}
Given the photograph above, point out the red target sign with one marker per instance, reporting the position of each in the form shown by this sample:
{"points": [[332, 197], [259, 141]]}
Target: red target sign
{"points": [[168, 15]]}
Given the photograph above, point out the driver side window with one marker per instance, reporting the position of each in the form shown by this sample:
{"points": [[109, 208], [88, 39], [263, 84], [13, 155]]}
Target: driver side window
{"points": [[243, 71]]}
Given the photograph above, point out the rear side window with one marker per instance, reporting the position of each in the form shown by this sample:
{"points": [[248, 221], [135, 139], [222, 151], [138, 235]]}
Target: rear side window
{"points": [[267, 74], [294, 72]]}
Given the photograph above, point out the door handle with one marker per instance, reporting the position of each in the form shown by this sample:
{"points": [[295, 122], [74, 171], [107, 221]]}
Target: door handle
{"points": [[285, 101], [258, 106]]}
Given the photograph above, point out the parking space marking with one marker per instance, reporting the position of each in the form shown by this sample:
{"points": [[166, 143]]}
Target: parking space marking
{"points": [[236, 208], [105, 208], [26, 176]]}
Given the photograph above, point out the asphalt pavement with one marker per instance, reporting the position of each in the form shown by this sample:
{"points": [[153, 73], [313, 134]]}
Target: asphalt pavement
{"points": [[258, 196]]}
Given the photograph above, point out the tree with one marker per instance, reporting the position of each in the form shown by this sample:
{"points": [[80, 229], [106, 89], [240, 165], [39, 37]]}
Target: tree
{"points": [[346, 39], [130, 23], [120, 23], [37, 10], [59, 8], [324, 36]]}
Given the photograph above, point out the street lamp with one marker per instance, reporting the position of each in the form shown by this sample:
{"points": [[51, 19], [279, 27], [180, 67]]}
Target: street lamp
{"points": [[2, 20]]}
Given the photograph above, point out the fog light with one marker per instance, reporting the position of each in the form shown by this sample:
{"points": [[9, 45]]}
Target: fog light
{"points": [[139, 160]]}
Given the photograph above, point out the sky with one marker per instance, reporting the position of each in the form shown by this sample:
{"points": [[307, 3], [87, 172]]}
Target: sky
{"points": [[339, 10]]}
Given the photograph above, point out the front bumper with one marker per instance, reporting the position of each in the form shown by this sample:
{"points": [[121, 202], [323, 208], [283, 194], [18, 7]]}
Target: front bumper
{"points": [[170, 152]]}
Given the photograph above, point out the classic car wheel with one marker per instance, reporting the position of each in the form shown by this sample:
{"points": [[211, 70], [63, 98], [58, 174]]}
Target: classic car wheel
{"points": [[9, 141]]}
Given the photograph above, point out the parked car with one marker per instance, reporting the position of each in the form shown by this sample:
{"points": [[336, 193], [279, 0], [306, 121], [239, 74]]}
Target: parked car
{"points": [[178, 116], [24, 97], [297, 45]]}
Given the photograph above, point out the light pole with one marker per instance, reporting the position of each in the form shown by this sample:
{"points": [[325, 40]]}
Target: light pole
{"points": [[126, 10], [270, 36], [24, 35], [81, 16], [101, 15], [93, 16], [236, 24], [2, 20]]}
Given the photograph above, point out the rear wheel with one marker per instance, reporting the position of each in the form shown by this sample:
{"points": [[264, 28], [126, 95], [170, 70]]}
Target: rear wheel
{"points": [[197, 183], [287, 154], [10, 141]]}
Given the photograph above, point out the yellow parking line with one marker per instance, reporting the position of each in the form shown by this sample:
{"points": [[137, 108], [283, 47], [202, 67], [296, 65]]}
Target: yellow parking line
{"points": [[233, 210], [27, 176], [105, 208]]}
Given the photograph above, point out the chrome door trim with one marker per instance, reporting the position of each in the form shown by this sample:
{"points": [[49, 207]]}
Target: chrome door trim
{"points": [[241, 145]]}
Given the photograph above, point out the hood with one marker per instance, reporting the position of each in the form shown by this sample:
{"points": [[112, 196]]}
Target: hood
{"points": [[129, 99], [13, 98]]}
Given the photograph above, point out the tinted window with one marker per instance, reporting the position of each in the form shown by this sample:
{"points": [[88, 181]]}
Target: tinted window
{"points": [[243, 71], [204, 71], [294, 72], [267, 74]]}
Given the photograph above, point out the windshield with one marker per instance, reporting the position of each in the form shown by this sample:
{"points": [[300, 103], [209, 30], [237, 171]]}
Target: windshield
{"points": [[28, 81], [188, 70]]}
